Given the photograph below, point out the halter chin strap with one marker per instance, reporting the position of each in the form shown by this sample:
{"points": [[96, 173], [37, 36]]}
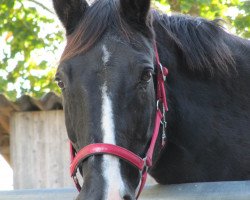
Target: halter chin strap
{"points": [[142, 164]]}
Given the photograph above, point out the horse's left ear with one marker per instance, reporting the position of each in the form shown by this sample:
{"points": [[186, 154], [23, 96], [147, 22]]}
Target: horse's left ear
{"points": [[70, 12], [135, 11]]}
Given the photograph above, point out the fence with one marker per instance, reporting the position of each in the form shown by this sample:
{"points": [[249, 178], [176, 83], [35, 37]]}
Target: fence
{"points": [[238, 190]]}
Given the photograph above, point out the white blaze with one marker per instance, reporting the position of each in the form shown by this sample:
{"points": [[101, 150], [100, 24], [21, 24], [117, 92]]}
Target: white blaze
{"points": [[114, 187], [90, 2], [106, 55]]}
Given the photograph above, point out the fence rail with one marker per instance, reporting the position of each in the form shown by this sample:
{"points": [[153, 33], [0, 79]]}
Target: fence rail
{"points": [[238, 190]]}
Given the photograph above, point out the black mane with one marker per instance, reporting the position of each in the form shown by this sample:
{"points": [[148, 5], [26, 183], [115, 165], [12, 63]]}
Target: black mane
{"points": [[93, 25], [203, 43], [97, 19]]}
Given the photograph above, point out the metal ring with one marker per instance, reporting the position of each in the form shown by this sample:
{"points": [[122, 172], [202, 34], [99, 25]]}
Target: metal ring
{"points": [[157, 104]]}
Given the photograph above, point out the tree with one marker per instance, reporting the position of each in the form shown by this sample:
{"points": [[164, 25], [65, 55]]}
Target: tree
{"points": [[24, 48], [234, 12], [29, 36]]}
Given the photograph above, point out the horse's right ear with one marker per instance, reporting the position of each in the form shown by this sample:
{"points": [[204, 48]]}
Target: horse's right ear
{"points": [[70, 12], [135, 11]]}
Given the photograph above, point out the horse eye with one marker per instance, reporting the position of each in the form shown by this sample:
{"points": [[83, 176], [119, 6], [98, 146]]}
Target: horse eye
{"points": [[60, 84], [146, 75]]}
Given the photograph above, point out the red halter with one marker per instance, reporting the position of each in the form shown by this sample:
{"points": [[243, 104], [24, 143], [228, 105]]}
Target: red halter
{"points": [[141, 163]]}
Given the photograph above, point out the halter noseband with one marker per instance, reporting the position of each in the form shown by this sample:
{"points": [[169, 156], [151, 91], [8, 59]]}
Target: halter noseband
{"points": [[142, 164]]}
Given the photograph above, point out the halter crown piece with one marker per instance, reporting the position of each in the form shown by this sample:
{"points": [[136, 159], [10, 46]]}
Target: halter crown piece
{"points": [[142, 164]]}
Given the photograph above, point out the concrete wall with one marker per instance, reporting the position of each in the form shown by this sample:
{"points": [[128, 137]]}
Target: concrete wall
{"points": [[39, 150]]}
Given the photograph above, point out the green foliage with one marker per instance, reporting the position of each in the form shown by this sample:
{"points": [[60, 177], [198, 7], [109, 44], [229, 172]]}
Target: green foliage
{"points": [[235, 12], [23, 50], [28, 36]]}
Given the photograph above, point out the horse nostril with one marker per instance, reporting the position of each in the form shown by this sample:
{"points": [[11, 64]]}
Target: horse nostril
{"points": [[127, 197]]}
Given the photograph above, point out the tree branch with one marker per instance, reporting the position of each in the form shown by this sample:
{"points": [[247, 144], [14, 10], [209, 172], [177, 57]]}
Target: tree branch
{"points": [[41, 5]]}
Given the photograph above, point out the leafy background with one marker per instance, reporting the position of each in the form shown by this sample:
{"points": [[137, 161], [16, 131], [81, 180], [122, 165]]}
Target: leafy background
{"points": [[31, 38]]}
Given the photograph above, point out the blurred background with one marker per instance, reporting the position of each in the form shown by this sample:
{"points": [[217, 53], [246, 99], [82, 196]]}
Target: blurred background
{"points": [[31, 118]]}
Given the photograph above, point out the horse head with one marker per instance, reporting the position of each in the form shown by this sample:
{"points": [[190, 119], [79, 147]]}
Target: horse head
{"points": [[106, 77]]}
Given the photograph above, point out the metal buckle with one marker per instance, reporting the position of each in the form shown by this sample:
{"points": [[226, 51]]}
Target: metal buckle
{"points": [[161, 68], [145, 167], [158, 107], [157, 104]]}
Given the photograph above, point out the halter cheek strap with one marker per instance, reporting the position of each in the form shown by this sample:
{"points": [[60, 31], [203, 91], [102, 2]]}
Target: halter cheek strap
{"points": [[142, 164]]}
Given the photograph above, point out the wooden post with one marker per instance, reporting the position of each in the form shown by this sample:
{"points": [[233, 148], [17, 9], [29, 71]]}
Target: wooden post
{"points": [[39, 150]]}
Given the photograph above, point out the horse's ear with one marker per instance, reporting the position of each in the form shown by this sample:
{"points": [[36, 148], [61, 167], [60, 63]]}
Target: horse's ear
{"points": [[70, 12], [135, 11]]}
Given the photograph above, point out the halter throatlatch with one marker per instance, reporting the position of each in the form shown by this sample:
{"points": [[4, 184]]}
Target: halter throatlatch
{"points": [[142, 164]]}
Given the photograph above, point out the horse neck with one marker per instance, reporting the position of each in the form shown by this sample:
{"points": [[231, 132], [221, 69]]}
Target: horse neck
{"points": [[201, 105]]}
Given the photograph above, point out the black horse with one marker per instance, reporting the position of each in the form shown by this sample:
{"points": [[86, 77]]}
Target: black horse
{"points": [[107, 76]]}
